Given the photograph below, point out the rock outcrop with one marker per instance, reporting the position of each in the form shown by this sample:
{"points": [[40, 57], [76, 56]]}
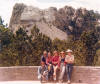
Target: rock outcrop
{"points": [[51, 22], [28, 17]]}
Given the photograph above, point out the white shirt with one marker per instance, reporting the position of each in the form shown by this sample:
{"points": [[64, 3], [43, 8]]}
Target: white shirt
{"points": [[69, 59]]}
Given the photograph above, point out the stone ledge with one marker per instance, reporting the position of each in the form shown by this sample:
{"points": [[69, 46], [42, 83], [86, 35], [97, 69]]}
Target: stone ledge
{"points": [[81, 74], [32, 82]]}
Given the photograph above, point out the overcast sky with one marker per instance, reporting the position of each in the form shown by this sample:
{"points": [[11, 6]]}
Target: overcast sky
{"points": [[6, 6]]}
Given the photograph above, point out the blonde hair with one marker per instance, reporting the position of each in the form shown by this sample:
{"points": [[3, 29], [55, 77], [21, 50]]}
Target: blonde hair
{"points": [[54, 52], [45, 52]]}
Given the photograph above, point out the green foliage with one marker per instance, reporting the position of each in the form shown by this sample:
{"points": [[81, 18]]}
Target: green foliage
{"points": [[1, 22], [89, 39], [59, 45], [97, 58], [27, 50], [5, 36], [79, 50]]}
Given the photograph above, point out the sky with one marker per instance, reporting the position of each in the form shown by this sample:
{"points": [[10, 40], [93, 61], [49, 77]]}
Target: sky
{"points": [[6, 6]]}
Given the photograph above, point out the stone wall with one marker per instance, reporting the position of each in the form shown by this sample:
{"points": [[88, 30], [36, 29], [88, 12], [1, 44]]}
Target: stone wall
{"points": [[81, 74]]}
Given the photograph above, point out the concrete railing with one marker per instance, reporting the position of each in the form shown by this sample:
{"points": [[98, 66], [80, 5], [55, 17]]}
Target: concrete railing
{"points": [[81, 74]]}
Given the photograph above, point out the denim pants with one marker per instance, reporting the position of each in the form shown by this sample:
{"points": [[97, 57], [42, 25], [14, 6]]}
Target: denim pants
{"points": [[62, 71], [69, 68], [50, 71], [45, 73]]}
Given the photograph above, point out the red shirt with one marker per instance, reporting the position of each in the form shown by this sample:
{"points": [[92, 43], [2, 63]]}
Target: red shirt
{"points": [[49, 60], [55, 60]]}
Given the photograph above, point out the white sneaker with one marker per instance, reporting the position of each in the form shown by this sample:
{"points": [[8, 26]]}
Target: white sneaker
{"points": [[68, 82], [60, 81]]}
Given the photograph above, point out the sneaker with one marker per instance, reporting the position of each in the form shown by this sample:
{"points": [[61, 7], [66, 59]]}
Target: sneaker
{"points": [[60, 81], [68, 82], [55, 81], [54, 77]]}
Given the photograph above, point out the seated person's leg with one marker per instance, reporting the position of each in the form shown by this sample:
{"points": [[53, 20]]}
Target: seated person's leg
{"points": [[62, 73], [45, 75], [56, 67], [39, 73], [51, 73], [54, 74]]}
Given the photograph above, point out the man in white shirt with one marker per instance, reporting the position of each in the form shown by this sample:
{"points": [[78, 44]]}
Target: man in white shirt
{"points": [[69, 60]]}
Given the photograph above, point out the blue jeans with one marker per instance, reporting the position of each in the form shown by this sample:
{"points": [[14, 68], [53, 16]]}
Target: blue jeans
{"points": [[40, 73], [69, 68], [50, 72]]}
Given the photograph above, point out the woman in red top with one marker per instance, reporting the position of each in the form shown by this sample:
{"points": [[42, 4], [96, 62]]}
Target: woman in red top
{"points": [[55, 62], [49, 59], [50, 66]]}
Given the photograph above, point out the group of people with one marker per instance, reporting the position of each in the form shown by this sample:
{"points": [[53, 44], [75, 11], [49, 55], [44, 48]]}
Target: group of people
{"points": [[51, 64]]}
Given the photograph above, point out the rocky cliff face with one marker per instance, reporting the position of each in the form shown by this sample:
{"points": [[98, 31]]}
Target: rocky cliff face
{"points": [[51, 22]]}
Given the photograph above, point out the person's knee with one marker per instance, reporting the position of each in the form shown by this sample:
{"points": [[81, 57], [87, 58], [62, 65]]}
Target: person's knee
{"points": [[55, 69]]}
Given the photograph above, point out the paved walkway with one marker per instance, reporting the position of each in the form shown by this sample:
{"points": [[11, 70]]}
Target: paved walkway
{"points": [[31, 82]]}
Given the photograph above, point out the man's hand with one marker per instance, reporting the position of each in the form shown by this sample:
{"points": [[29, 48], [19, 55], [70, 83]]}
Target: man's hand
{"points": [[71, 61]]}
